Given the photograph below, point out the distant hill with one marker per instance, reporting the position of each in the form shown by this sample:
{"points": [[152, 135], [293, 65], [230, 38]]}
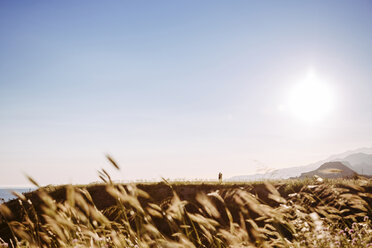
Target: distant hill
{"points": [[331, 170], [359, 160]]}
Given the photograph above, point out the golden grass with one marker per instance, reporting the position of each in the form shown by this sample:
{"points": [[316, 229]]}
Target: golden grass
{"points": [[286, 213]]}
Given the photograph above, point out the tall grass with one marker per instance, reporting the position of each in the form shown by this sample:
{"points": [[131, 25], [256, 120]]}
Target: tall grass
{"points": [[305, 214]]}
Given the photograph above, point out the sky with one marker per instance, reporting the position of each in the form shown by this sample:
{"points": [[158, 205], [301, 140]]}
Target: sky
{"points": [[180, 89]]}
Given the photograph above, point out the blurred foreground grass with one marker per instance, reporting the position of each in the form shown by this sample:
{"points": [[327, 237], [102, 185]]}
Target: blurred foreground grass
{"points": [[285, 213]]}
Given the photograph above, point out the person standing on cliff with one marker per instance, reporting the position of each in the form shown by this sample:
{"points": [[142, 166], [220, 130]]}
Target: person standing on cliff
{"points": [[220, 177]]}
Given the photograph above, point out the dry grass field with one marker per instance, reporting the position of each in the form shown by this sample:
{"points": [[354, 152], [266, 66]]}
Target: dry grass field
{"points": [[287, 213]]}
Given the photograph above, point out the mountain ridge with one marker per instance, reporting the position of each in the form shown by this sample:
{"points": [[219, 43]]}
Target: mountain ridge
{"points": [[334, 169], [364, 167]]}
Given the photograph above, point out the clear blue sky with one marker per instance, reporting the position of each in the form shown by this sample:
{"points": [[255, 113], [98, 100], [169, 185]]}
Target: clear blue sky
{"points": [[179, 89]]}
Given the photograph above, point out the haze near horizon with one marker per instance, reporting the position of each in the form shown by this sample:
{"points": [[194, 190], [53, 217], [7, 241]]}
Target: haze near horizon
{"points": [[180, 89]]}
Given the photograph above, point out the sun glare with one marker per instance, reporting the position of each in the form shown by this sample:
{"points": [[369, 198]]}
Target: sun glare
{"points": [[311, 99]]}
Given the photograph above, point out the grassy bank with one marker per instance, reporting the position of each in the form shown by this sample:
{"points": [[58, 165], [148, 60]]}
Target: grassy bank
{"points": [[288, 213]]}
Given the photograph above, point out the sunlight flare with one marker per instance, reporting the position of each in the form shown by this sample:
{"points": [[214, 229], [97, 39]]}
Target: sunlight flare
{"points": [[311, 99]]}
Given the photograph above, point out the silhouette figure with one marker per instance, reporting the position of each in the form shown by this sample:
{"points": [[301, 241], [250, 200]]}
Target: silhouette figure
{"points": [[220, 177]]}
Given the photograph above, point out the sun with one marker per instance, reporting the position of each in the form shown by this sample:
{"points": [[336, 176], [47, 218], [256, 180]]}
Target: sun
{"points": [[311, 99]]}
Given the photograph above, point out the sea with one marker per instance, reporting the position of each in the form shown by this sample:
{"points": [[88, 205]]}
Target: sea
{"points": [[6, 195]]}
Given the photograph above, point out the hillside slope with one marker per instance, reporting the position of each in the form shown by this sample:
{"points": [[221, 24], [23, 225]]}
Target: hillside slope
{"points": [[359, 160], [331, 170]]}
